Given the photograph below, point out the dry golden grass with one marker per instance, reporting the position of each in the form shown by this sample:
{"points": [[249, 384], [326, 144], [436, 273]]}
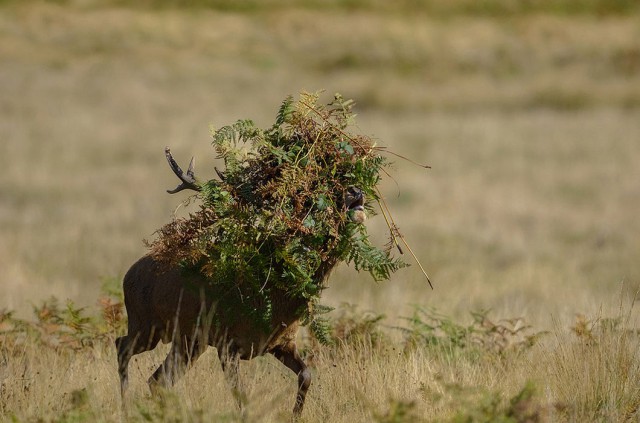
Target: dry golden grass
{"points": [[370, 375], [531, 124]]}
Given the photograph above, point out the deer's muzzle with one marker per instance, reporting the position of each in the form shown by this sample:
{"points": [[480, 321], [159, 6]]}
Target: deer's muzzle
{"points": [[354, 201]]}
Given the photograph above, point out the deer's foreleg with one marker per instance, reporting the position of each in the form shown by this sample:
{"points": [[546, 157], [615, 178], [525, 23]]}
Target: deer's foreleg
{"points": [[289, 356]]}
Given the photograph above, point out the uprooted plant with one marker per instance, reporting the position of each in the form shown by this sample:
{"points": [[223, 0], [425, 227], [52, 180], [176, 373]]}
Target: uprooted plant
{"points": [[245, 270]]}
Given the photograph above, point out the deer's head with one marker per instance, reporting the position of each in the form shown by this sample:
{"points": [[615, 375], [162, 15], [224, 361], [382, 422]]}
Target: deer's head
{"points": [[354, 202], [353, 197]]}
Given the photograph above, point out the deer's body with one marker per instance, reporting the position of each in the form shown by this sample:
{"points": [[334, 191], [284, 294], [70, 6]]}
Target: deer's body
{"points": [[165, 304]]}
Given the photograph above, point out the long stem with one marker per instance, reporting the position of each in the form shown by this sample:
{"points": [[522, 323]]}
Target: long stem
{"points": [[392, 230], [385, 150], [404, 241], [350, 138]]}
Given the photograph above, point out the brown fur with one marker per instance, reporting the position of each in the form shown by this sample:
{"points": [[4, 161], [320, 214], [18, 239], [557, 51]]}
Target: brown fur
{"points": [[164, 305]]}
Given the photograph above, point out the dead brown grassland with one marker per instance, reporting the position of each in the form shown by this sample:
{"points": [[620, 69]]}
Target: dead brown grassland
{"points": [[531, 124]]}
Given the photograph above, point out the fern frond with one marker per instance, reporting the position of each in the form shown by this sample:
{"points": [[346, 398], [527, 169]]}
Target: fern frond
{"points": [[276, 221]]}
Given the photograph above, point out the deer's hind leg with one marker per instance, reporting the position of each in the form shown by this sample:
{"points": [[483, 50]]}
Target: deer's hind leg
{"points": [[130, 345], [184, 352]]}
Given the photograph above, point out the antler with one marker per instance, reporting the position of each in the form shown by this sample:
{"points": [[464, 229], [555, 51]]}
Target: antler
{"points": [[188, 180]]}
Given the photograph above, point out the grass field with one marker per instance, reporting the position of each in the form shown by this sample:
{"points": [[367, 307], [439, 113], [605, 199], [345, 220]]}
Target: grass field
{"points": [[529, 117]]}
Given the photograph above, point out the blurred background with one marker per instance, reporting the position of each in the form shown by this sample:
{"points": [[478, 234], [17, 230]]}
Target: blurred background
{"points": [[527, 111]]}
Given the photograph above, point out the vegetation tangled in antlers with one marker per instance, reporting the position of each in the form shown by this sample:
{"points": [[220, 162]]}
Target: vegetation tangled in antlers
{"points": [[276, 219]]}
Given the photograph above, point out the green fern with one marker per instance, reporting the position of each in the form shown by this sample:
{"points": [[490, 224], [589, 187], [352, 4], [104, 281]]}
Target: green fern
{"points": [[276, 220], [320, 327]]}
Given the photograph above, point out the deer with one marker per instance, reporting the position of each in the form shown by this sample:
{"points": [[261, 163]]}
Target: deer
{"points": [[165, 305]]}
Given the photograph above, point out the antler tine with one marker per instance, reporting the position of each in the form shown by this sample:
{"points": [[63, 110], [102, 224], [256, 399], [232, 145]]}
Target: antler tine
{"points": [[220, 174], [190, 170], [188, 180]]}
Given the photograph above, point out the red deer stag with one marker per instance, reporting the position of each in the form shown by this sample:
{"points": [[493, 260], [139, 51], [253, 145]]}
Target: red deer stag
{"points": [[164, 304]]}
